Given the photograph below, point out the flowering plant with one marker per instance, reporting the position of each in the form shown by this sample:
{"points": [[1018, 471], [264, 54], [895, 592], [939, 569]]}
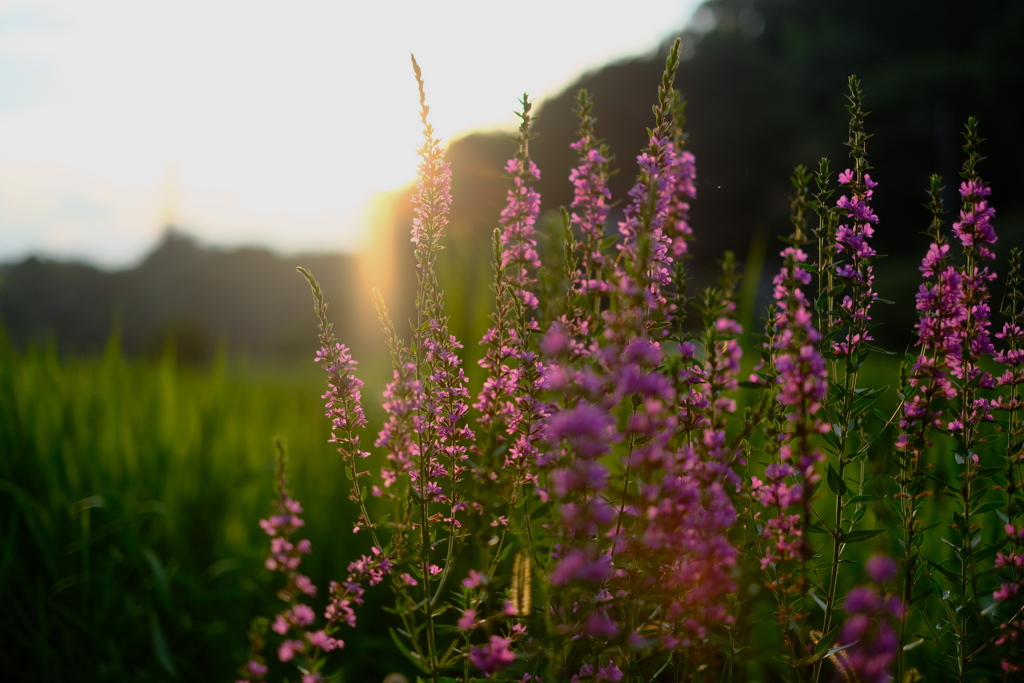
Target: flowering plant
{"points": [[601, 509]]}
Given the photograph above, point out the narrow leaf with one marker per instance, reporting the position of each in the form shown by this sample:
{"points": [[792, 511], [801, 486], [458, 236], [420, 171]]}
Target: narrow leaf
{"points": [[859, 535]]}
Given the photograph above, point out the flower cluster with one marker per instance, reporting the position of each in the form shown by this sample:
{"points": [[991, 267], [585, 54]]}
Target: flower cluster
{"points": [[1011, 593], [939, 313], [971, 333], [800, 375], [608, 453], [370, 569], [654, 238], [867, 636], [974, 229], [511, 391], [591, 201], [518, 227], [654, 227], [299, 641], [492, 657], [433, 197], [1010, 561], [645, 557], [852, 241]]}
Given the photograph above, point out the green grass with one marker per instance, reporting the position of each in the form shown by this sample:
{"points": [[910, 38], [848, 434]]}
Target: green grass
{"points": [[130, 492]]}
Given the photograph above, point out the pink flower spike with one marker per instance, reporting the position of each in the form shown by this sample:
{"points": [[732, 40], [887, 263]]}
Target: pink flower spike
{"points": [[304, 584], [288, 648], [492, 657], [881, 569], [256, 669], [323, 641], [467, 620], [475, 579]]}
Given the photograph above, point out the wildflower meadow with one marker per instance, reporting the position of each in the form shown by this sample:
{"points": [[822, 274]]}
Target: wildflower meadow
{"points": [[632, 495]]}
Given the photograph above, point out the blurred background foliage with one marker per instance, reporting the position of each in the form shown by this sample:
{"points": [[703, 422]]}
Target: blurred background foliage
{"points": [[130, 491], [140, 407]]}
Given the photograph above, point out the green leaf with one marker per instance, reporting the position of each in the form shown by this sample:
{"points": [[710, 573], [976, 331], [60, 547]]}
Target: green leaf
{"points": [[865, 499], [163, 653], [412, 657], [945, 572], [835, 482], [989, 551], [989, 506], [832, 438], [859, 535], [159, 573], [865, 400]]}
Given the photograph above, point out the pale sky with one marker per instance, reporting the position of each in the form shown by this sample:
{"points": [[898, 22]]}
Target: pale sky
{"points": [[255, 122]]}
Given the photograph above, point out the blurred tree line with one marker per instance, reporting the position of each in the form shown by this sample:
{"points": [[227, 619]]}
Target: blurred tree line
{"points": [[765, 83], [201, 301]]}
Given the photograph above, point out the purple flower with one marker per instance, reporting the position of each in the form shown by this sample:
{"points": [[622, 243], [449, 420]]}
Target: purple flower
{"points": [[587, 428], [655, 228], [256, 669], [590, 205], [475, 579], [467, 621], [974, 229], [881, 569], [579, 565], [302, 615], [852, 242], [286, 652], [800, 372], [492, 657], [867, 634], [343, 408], [600, 626], [610, 673], [511, 393]]}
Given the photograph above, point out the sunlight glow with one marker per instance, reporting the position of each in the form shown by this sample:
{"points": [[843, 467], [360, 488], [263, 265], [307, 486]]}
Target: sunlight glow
{"points": [[281, 120]]}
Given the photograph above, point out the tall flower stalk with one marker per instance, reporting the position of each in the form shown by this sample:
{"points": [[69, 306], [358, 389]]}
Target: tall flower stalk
{"points": [[1010, 594], [510, 406], [797, 376], [300, 645], [846, 274], [926, 387], [947, 391], [972, 344]]}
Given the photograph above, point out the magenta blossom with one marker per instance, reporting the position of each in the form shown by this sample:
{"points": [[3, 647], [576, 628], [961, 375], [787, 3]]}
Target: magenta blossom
{"points": [[492, 657]]}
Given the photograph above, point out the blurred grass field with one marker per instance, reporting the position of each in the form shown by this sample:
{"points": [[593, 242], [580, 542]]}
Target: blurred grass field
{"points": [[130, 492]]}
